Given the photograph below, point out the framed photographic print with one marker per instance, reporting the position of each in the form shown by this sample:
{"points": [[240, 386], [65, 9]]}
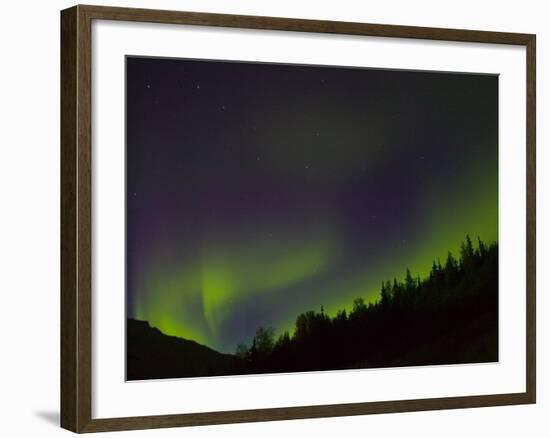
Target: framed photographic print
{"points": [[270, 218]]}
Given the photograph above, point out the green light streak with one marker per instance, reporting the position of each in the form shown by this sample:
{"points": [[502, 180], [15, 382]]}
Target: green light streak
{"points": [[225, 275]]}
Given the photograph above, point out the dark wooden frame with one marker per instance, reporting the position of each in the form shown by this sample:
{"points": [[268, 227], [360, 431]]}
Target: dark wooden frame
{"points": [[76, 305]]}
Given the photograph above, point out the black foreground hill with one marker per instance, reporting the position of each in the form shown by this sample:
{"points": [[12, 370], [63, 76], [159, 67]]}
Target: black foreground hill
{"points": [[153, 355], [450, 317]]}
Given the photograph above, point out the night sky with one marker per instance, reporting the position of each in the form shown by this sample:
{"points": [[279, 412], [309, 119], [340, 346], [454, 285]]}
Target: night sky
{"points": [[256, 192]]}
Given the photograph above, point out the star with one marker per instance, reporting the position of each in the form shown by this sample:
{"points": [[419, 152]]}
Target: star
{"points": [[148, 85], [223, 107], [198, 86], [258, 158]]}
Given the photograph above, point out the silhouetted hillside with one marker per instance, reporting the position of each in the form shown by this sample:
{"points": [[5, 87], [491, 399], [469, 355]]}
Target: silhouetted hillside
{"points": [[153, 355]]}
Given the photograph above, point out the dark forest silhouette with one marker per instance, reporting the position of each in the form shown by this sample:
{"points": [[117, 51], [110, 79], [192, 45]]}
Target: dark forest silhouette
{"points": [[447, 318]]}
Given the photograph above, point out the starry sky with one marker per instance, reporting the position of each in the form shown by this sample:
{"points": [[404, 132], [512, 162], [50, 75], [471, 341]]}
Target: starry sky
{"points": [[258, 191]]}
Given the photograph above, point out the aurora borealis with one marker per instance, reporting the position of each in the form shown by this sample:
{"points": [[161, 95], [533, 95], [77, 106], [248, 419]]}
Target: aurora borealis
{"points": [[259, 191]]}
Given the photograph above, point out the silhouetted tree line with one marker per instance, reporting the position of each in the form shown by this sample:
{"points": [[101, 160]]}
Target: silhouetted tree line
{"points": [[449, 317]]}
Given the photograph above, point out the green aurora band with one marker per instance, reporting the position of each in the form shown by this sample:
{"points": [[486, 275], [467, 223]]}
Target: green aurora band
{"points": [[226, 275]]}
